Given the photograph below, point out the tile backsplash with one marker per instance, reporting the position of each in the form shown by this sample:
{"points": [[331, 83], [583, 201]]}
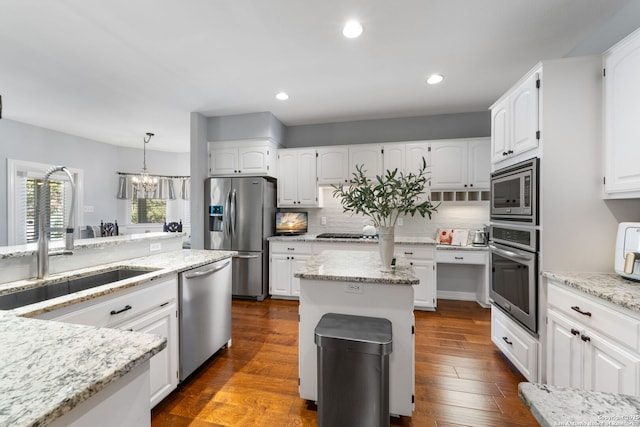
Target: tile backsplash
{"points": [[448, 216]]}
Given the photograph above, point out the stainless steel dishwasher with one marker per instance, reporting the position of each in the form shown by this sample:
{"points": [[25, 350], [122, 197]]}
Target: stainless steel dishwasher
{"points": [[205, 314]]}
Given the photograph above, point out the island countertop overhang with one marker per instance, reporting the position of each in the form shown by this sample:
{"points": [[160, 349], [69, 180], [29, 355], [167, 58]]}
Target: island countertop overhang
{"points": [[355, 266]]}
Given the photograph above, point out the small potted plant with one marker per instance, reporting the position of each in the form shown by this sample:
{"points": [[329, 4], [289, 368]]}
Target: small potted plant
{"points": [[384, 199]]}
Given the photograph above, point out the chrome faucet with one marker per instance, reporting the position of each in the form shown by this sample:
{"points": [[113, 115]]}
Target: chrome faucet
{"points": [[43, 221]]}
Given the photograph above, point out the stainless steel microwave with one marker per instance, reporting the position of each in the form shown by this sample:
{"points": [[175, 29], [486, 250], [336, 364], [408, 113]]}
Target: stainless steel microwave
{"points": [[514, 193]]}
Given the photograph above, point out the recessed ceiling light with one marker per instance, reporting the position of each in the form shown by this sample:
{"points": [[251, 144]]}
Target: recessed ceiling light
{"points": [[282, 96], [434, 79], [352, 29]]}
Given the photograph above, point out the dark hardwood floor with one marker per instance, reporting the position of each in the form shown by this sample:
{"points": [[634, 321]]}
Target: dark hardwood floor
{"points": [[461, 378]]}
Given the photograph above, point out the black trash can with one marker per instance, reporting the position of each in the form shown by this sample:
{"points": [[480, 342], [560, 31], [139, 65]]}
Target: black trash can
{"points": [[353, 370]]}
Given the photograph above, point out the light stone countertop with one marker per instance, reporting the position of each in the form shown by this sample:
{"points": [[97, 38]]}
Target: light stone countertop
{"points": [[30, 249], [47, 368], [160, 265], [606, 286], [556, 406], [399, 240], [354, 266]]}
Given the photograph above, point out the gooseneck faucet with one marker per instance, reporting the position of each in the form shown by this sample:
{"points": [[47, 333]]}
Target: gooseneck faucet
{"points": [[43, 222]]}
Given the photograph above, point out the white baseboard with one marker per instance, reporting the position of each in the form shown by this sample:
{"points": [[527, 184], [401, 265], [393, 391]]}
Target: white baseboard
{"points": [[456, 295]]}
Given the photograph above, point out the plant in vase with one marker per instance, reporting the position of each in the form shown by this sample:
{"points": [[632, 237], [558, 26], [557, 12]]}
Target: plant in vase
{"points": [[384, 199]]}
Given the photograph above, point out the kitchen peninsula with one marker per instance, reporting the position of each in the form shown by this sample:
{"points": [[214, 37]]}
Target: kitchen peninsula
{"points": [[348, 282]]}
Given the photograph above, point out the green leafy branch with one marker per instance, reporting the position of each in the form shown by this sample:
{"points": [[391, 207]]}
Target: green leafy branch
{"points": [[386, 197]]}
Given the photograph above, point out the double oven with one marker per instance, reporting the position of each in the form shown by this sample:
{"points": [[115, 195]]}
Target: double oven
{"points": [[514, 242]]}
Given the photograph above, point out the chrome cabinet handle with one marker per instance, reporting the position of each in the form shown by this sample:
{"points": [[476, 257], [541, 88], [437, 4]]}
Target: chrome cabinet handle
{"points": [[584, 313], [205, 272], [505, 339], [126, 308]]}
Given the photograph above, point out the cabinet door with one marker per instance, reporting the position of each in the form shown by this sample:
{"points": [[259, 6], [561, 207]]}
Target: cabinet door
{"points": [[608, 368], [164, 365], [297, 263], [223, 161], [448, 165], [479, 161], [394, 157], [287, 178], [253, 160], [280, 275], [414, 152], [333, 165], [307, 181], [499, 131], [369, 156], [621, 112], [523, 106], [564, 352], [424, 294]]}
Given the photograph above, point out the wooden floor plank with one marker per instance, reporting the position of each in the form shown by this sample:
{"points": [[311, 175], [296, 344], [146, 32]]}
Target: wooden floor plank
{"points": [[461, 378]]}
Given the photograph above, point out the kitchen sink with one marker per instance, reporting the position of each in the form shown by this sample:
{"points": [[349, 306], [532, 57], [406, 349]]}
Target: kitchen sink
{"points": [[57, 289]]}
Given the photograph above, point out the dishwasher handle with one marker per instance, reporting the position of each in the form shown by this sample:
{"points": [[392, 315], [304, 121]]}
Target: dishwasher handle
{"points": [[207, 272]]}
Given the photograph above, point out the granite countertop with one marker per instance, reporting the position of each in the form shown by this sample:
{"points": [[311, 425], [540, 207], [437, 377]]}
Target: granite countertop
{"points": [[399, 240], [483, 248], [556, 406], [30, 249], [353, 266], [606, 286], [47, 368], [160, 265]]}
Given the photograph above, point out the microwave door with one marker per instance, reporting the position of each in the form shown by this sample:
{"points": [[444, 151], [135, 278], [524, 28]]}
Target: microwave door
{"points": [[506, 193]]}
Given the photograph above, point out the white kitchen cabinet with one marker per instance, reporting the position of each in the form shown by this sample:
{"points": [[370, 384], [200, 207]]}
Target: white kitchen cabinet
{"points": [[297, 178], [369, 156], [414, 153], [590, 345], [242, 157], [449, 165], [394, 157], [422, 258], [163, 370], [621, 112], [333, 165], [479, 163], [515, 120], [515, 343], [285, 258], [148, 307]]}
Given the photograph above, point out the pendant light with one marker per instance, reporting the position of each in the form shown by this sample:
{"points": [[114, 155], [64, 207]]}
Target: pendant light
{"points": [[144, 183]]}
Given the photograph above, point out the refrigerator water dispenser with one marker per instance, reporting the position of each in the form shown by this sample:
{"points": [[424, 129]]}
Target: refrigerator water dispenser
{"points": [[216, 218]]}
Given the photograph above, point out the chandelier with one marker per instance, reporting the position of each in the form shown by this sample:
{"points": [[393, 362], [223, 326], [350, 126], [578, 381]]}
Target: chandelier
{"points": [[144, 183]]}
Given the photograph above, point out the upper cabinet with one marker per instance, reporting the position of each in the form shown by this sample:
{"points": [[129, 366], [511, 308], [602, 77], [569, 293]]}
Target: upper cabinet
{"points": [[415, 152], [621, 113], [393, 157], [333, 165], [297, 186], [515, 121], [369, 156], [242, 157], [460, 164]]}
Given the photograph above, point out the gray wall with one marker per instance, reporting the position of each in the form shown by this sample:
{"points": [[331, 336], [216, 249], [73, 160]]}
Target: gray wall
{"points": [[245, 126], [464, 125], [98, 160]]}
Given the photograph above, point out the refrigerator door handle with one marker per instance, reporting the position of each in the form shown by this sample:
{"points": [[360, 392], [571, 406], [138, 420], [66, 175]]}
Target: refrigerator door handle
{"points": [[233, 212], [227, 214], [246, 256]]}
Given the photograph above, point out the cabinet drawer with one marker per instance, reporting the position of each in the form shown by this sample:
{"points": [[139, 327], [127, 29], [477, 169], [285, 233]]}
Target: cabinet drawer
{"points": [[291, 247], [110, 310], [518, 346], [415, 252], [461, 257], [623, 328]]}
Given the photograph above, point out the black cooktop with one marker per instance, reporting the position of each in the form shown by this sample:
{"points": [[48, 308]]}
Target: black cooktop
{"points": [[344, 236]]}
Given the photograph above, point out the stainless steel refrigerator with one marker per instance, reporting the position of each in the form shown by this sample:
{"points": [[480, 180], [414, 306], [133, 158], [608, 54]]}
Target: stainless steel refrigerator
{"points": [[240, 217]]}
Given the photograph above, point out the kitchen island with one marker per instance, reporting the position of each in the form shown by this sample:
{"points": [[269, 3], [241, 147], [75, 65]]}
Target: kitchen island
{"points": [[347, 282]]}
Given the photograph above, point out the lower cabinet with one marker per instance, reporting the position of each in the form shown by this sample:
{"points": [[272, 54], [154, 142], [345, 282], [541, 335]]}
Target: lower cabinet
{"points": [[515, 343], [284, 260], [151, 308], [422, 260], [584, 354]]}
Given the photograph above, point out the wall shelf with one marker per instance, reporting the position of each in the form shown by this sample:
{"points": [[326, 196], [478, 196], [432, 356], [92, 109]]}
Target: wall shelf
{"points": [[475, 196]]}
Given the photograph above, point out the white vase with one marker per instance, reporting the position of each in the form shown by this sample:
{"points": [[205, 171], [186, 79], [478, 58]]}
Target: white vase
{"points": [[386, 240]]}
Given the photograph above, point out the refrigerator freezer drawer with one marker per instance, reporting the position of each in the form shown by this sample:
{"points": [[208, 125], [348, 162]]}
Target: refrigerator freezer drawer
{"points": [[247, 275]]}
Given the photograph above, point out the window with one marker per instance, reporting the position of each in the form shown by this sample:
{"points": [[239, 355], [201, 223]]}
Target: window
{"points": [[24, 182], [147, 211]]}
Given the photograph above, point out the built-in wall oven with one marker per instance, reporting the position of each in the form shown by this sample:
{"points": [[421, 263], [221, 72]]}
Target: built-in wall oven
{"points": [[514, 242], [514, 272]]}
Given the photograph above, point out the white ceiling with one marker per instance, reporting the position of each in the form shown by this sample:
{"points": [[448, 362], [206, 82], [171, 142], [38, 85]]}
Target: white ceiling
{"points": [[111, 70]]}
